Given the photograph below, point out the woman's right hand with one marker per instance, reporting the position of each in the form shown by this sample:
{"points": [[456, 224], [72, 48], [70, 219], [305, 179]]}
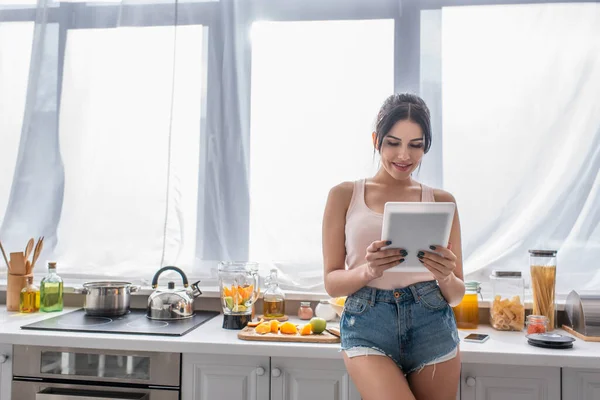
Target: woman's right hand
{"points": [[379, 260]]}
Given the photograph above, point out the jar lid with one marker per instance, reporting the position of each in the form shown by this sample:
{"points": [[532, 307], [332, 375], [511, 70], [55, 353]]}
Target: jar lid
{"points": [[324, 301], [506, 274], [537, 318], [543, 253], [472, 285], [305, 304]]}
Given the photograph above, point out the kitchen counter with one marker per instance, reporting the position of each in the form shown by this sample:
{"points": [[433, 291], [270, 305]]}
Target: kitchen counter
{"points": [[508, 348]]}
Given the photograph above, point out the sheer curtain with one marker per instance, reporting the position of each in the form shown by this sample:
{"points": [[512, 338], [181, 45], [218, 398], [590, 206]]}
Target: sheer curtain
{"points": [[141, 134], [107, 166]]}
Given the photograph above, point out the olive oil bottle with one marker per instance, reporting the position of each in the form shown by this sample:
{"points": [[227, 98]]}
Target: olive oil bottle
{"points": [[30, 297], [51, 290]]}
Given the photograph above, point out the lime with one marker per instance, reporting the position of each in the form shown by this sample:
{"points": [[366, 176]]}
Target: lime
{"points": [[229, 302], [318, 325]]}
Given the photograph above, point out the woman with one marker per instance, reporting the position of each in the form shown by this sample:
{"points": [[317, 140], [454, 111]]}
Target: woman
{"points": [[398, 331]]}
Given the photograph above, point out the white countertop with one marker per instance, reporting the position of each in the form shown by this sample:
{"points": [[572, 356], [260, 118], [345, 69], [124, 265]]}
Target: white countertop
{"points": [[509, 348]]}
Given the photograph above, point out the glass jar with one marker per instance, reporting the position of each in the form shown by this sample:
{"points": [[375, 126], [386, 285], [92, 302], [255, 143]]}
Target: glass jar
{"points": [[507, 312], [467, 312], [537, 324], [273, 298], [325, 311], [305, 311], [542, 264]]}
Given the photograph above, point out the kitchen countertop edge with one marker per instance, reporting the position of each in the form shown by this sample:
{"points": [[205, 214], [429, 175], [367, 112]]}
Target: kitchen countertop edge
{"points": [[505, 348]]}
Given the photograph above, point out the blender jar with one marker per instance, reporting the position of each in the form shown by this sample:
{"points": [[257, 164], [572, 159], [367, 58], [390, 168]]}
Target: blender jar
{"points": [[542, 264], [238, 284]]}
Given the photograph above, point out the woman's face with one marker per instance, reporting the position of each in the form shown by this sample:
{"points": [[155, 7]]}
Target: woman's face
{"points": [[402, 149]]}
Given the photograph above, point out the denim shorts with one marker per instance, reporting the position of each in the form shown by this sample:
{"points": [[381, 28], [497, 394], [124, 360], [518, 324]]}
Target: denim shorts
{"points": [[414, 326]]}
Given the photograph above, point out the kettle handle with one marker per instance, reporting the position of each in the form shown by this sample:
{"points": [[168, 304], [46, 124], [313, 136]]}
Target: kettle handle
{"points": [[163, 269]]}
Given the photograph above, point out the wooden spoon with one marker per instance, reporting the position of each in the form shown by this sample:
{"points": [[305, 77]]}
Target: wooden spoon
{"points": [[36, 253], [29, 248], [4, 255]]}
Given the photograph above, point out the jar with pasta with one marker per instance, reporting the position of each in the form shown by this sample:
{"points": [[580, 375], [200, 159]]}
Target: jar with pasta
{"points": [[543, 284], [507, 312]]}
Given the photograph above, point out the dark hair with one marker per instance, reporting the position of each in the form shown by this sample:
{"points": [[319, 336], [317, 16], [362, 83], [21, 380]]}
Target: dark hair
{"points": [[403, 107]]}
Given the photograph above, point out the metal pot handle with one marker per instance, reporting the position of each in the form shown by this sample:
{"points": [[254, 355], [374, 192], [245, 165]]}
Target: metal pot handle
{"points": [[134, 288], [80, 290], [163, 269]]}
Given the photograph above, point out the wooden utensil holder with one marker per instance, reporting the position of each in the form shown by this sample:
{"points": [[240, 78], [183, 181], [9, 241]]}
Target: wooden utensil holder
{"points": [[14, 285]]}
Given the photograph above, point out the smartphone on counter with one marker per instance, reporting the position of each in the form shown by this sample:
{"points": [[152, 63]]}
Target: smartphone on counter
{"points": [[476, 337]]}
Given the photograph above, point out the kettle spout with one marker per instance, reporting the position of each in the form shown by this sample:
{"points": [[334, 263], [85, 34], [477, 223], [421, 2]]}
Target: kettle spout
{"points": [[195, 289]]}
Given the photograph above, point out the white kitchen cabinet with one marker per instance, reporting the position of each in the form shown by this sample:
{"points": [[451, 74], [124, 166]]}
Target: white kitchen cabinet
{"points": [[224, 377], [503, 382], [315, 379], [580, 384], [5, 371]]}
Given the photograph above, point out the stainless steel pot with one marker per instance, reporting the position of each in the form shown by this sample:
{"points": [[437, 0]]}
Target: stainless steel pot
{"points": [[107, 298]]}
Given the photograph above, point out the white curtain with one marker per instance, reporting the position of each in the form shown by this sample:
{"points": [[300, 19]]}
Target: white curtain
{"points": [[137, 135]]}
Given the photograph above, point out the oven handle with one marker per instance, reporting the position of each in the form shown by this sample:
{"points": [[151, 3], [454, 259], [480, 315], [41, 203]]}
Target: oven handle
{"points": [[58, 394]]}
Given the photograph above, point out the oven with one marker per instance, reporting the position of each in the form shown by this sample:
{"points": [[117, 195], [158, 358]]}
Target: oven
{"points": [[59, 373]]}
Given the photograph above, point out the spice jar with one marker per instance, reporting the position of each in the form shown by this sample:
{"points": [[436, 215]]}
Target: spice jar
{"points": [[507, 312], [305, 311], [537, 324], [543, 284], [467, 312]]}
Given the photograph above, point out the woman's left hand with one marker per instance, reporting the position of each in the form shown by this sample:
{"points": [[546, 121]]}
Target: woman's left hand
{"points": [[442, 264]]}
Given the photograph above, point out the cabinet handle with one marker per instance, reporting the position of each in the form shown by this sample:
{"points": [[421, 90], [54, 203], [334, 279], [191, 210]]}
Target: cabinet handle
{"points": [[471, 381], [3, 358], [276, 372], [260, 371]]}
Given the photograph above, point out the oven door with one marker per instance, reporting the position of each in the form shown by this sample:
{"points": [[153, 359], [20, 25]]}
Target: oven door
{"points": [[111, 366], [31, 390]]}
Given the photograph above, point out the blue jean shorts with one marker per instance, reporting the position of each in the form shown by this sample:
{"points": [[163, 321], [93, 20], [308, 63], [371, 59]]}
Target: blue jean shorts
{"points": [[414, 326]]}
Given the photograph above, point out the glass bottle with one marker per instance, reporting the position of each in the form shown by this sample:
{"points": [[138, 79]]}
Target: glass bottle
{"points": [[51, 290], [273, 298], [542, 264], [30, 297], [467, 312], [507, 312]]}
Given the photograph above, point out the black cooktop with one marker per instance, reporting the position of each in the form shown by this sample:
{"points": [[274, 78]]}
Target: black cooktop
{"points": [[134, 322]]}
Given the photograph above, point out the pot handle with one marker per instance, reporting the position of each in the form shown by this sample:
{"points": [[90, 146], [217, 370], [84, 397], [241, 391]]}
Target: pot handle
{"points": [[163, 269], [80, 290], [134, 288]]}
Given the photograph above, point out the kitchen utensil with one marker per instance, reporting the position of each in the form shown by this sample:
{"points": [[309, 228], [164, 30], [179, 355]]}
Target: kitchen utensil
{"points": [[172, 303], [583, 312], [238, 284], [17, 264], [550, 340], [29, 248], [248, 333], [4, 255], [107, 298], [36, 253]]}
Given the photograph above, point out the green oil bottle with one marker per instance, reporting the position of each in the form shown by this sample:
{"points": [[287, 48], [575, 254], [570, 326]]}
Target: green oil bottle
{"points": [[51, 290]]}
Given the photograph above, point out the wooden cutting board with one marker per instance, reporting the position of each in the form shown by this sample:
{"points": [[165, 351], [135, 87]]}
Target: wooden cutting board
{"points": [[248, 333], [581, 336]]}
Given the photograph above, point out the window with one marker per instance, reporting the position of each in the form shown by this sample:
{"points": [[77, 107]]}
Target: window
{"points": [[130, 143], [15, 56], [521, 110], [316, 89]]}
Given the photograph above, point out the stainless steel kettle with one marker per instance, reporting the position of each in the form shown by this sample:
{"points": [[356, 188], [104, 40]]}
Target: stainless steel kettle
{"points": [[172, 303]]}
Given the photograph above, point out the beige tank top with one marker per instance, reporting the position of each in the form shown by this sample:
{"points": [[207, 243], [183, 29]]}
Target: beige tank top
{"points": [[363, 227]]}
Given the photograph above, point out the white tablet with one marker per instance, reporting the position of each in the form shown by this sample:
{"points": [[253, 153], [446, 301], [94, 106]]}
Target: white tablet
{"points": [[415, 226]]}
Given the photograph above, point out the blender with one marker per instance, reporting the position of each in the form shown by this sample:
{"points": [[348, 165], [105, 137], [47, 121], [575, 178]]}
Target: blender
{"points": [[238, 284]]}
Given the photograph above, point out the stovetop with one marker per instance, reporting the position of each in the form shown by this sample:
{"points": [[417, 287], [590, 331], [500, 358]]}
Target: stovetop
{"points": [[134, 322]]}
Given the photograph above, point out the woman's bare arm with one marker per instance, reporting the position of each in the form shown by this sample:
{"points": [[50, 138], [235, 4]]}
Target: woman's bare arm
{"points": [[338, 280]]}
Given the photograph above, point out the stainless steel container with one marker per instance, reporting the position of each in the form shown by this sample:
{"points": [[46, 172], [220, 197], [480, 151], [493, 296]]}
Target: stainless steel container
{"points": [[583, 312], [107, 298]]}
